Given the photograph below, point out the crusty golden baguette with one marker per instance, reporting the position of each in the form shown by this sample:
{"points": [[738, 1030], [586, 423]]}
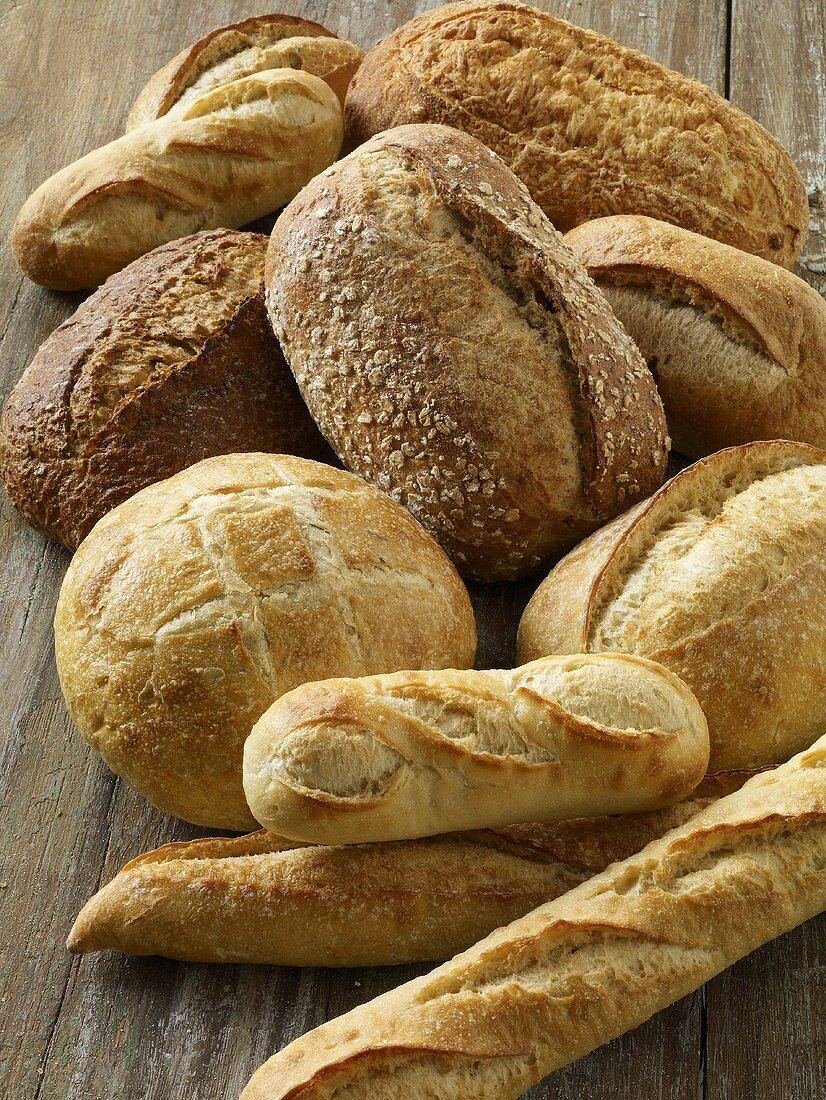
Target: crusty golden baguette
{"points": [[234, 154], [418, 753], [263, 899], [587, 967]]}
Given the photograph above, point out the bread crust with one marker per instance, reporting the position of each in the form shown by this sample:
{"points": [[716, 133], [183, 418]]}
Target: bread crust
{"points": [[456, 355], [756, 303], [592, 128], [728, 620], [172, 361], [584, 968], [193, 605]]}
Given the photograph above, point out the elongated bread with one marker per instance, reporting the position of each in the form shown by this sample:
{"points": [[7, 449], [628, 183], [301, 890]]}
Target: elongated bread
{"points": [[590, 127], [235, 153], [456, 355], [587, 967], [263, 899], [420, 753], [736, 344], [720, 576], [239, 49]]}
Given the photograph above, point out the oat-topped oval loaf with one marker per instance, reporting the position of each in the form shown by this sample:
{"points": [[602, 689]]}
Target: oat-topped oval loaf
{"points": [[171, 361], [592, 128], [721, 577], [239, 49], [736, 344], [192, 606], [454, 352], [419, 753]]}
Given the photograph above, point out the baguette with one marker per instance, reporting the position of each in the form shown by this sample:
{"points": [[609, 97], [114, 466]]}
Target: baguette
{"points": [[234, 154], [585, 968], [721, 577], [420, 753], [263, 899]]}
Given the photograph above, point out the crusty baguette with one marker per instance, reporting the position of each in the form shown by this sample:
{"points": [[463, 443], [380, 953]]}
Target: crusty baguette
{"points": [[419, 753], [239, 49], [736, 344], [263, 899], [234, 154], [587, 967], [720, 576]]}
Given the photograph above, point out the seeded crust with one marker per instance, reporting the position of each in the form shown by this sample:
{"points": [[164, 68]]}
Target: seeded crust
{"points": [[171, 361], [721, 577], [591, 128], [454, 353]]}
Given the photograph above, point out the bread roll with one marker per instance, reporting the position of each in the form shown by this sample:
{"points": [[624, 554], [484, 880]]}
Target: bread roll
{"points": [[173, 360], [457, 356], [419, 753], [239, 49], [192, 606], [590, 127], [581, 970], [736, 344], [721, 577], [263, 899], [233, 154]]}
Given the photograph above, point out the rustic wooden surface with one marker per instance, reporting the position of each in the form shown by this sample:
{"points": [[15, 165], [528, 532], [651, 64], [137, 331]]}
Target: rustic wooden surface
{"points": [[116, 1027]]}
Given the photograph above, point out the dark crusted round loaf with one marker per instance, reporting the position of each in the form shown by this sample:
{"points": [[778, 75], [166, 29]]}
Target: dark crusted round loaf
{"points": [[171, 361], [456, 354]]}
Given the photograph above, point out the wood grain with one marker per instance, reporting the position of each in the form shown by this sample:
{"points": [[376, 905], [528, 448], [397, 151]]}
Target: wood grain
{"points": [[148, 1029]]}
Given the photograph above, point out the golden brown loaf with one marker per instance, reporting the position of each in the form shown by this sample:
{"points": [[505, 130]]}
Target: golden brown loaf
{"points": [[239, 49], [456, 355], [192, 606], [721, 577], [587, 967], [591, 128], [173, 360], [419, 753], [736, 344], [263, 899], [235, 153]]}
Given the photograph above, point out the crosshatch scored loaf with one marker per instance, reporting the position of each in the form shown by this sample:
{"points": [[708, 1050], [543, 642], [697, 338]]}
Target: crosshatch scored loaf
{"points": [[193, 605], [456, 355]]}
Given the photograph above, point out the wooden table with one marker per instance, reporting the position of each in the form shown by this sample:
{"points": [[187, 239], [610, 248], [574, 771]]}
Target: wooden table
{"points": [[113, 1026]]}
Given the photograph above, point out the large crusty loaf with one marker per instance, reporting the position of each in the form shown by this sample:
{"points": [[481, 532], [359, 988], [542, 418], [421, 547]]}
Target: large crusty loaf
{"points": [[173, 360], [239, 49], [455, 354], [193, 605], [587, 967], [420, 753], [263, 899], [736, 344], [721, 577], [592, 128], [235, 153]]}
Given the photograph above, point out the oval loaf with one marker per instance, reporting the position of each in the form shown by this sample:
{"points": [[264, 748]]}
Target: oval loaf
{"points": [[721, 577], [419, 753], [591, 128], [456, 355], [193, 605]]}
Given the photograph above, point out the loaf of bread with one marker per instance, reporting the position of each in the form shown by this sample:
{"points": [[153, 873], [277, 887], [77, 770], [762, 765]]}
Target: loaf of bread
{"points": [[456, 355], [173, 360], [419, 753], [263, 899], [235, 153], [240, 49], [587, 967], [721, 577], [192, 606], [591, 128], [736, 344]]}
